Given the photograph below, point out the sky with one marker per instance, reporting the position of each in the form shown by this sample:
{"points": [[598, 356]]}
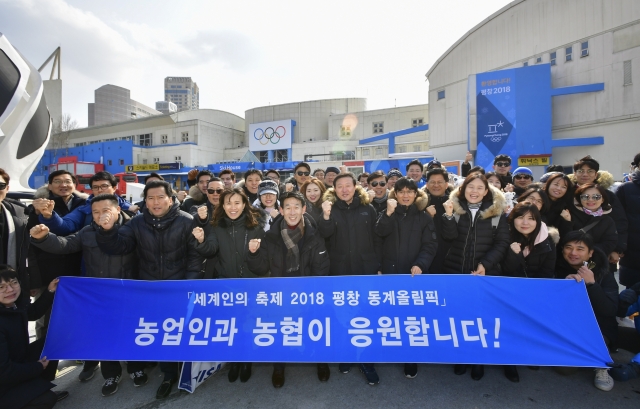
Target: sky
{"points": [[243, 54]]}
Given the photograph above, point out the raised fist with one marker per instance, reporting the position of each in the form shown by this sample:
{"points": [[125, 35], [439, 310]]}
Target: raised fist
{"points": [[566, 215], [254, 245], [468, 157], [431, 210], [274, 213], [106, 221], [516, 247], [371, 194], [44, 207], [343, 169], [448, 207], [203, 212], [391, 206], [39, 231], [508, 188], [192, 174], [198, 233], [326, 209], [182, 195], [289, 187]]}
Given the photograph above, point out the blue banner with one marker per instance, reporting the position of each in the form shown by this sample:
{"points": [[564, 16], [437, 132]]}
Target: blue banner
{"points": [[393, 318]]}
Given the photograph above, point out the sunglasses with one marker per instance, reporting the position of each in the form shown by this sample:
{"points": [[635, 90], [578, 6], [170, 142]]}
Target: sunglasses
{"points": [[303, 173], [518, 177], [374, 184], [502, 164], [593, 197], [3, 186], [215, 191]]}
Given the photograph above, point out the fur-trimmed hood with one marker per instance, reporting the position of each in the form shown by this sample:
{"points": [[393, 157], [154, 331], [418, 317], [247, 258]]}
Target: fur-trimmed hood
{"points": [[604, 179], [196, 194], [497, 207], [554, 234], [43, 192], [422, 199], [331, 196]]}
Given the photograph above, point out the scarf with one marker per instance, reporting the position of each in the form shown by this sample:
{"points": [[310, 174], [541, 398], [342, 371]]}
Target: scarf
{"points": [[473, 208], [593, 213], [291, 238], [382, 199]]}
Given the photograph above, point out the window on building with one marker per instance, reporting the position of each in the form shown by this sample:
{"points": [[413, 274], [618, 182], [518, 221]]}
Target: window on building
{"points": [[345, 131], [538, 60], [185, 136], [366, 153], [144, 161], [144, 140], [568, 53], [417, 122], [156, 160], [525, 64], [281, 155], [402, 149], [626, 68], [109, 162], [552, 58], [417, 148], [378, 152], [263, 156], [164, 139], [440, 95], [378, 127], [584, 49], [177, 158], [121, 162]]}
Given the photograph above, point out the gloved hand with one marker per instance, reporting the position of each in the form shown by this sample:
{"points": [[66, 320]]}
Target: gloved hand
{"points": [[629, 296]]}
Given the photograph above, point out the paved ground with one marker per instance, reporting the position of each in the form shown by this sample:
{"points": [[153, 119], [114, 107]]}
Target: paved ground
{"points": [[435, 386]]}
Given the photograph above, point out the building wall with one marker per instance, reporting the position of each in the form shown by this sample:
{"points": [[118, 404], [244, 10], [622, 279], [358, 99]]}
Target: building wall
{"points": [[53, 96], [524, 31], [113, 104]]}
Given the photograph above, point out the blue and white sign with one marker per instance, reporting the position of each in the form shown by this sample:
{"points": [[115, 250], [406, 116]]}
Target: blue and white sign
{"points": [[430, 318], [267, 136]]}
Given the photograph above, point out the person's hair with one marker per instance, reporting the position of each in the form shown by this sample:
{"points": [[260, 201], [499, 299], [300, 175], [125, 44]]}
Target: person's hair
{"points": [[214, 179], [106, 196], [272, 171], [562, 176], [203, 172], [294, 195], [158, 183], [375, 175], [471, 177], [414, 162], [490, 174], [317, 170], [546, 204], [363, 175], [345, 175], [438, 171], [252, 215], [153, 175], [7, 273], [253, 172], [502, 158], [405, 182], [636, 160], [522, 209], [227, 172], [317, 182], [555, 168], [61, 172], [605, 197], [577, 236], [103, 176], [477, 169], [302, 165], [5, 176], [587, 160]]}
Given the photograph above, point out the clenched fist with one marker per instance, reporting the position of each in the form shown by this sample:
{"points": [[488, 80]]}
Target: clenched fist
{"points": [[516, 247], [566, 215], [192, 174], [203, 212], [431, 210], [289, 187], [106, 221], [39, 231], [44, 207], [274, 213], [326, 209], [448, 207], [371, 194], [198, 233], [182, 195], [391, 206], [254, 245], [468, 157]]}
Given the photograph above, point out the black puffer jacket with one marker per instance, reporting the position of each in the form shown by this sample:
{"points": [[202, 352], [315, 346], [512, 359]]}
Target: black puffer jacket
{"points": [[539, 263], [553, 214], [209, 263], [380, 206], [604, 233], [315, 212], [603, 294], [354, 248], [195, 199], [271, 256], [19, 218], [20, 377], [97, 263], [409, 237], [443, 245], [228, 242], [165, 247], [629, 197], [473, 243]]}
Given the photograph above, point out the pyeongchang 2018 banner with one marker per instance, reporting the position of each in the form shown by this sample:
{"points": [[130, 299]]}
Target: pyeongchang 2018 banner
{"points": [[393, 318]]}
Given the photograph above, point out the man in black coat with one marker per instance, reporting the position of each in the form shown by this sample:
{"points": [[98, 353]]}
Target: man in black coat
{"points": [[292, 248], [438, 191], [629, 197], [14, 234], [165, 246]]}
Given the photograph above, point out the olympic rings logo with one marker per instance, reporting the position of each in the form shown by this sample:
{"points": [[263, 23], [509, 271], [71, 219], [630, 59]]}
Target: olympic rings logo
{"points": [[269, 135], [496, 138]]}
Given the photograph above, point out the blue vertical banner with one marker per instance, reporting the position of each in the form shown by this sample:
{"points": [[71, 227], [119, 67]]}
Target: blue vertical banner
{"points": [[398, 318]]}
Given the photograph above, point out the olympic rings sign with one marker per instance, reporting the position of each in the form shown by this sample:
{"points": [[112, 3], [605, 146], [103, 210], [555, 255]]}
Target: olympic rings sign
{"points": [[269, 134]]}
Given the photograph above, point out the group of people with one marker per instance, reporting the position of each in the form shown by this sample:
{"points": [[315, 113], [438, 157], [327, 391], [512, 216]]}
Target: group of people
{"points": [[325, 222]]}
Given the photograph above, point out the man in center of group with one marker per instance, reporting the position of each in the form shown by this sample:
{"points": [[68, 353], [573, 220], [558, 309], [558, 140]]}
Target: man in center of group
{"points": [[502, 166], [414, 171], [198, 192], [348, 224]]}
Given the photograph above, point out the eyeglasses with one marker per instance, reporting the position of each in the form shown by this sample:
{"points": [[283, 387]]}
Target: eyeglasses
{"points": [[3, 185], [101, 187], [382, 184], [437, 183], [62, 182], [215, 191], [593, 197], [518, 177], [13, 283], [502, 164], [587, 171], [303, 173]]}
